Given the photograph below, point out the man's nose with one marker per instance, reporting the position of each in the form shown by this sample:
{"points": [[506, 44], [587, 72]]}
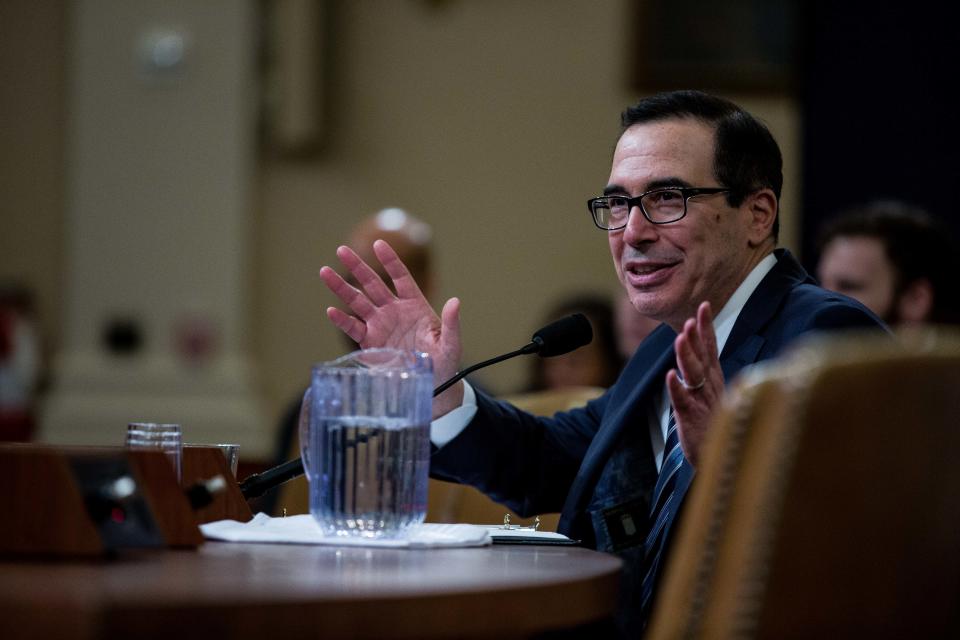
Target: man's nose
{"points": [[639, 230]]}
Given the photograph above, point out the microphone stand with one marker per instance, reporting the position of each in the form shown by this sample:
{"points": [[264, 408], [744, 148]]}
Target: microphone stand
{"points": [[533, 347]]}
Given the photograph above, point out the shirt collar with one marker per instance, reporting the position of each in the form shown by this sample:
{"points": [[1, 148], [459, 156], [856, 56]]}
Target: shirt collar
{"points": [[724, 321]]}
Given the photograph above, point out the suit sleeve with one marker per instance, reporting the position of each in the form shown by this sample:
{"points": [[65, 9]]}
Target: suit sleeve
{"points": [[813, 310], [838, 312], [521, 460]]}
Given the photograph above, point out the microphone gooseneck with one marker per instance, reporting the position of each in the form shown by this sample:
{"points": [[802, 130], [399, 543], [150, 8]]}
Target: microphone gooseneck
{"points": [[557, 338], [257, 484], [530, 348]]}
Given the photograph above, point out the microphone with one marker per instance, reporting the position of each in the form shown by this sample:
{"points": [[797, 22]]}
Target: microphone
{"points": [[557, 338], [258, 484], [563, 336]]}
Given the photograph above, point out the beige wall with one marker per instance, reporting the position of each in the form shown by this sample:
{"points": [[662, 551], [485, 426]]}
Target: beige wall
{"points": [[494, 121], [32, 97]]}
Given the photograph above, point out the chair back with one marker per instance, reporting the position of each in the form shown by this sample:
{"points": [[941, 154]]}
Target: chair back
{"points": [[827, 503]]}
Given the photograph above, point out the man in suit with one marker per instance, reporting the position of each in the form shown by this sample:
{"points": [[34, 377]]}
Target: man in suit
{"points": [[691, 213]]}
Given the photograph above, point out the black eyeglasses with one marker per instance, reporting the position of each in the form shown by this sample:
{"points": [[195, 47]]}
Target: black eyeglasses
{"points": [[659, 206]]}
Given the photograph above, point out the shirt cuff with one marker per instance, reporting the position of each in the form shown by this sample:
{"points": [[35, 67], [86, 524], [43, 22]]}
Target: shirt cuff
{"points": [[447, 427]]}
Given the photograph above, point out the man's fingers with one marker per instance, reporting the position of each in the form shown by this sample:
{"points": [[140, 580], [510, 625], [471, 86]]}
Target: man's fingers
{"points": [[689, 362], [350, 295], [405, 284], [675, 390], [338, 286], [354, 328], [695, 334], [707, 334], [373, 286], [450, 324]]}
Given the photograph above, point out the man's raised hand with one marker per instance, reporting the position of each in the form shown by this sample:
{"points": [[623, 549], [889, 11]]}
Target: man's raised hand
{"points": [[696, 395], [405, 320]]}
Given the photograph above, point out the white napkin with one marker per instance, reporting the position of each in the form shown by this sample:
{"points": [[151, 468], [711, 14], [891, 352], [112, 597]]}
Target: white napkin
{"points": [[303, 529]]}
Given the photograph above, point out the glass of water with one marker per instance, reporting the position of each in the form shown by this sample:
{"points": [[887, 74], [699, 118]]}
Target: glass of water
{"points": [[163, 437], [365, 442]]}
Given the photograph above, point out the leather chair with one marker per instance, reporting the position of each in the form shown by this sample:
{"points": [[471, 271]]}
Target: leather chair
{"points": [[827, 503]]}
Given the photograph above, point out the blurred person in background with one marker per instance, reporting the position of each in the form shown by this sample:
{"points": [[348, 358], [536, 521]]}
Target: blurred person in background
{"points": [[595, 365], [19, 363], [894, 258], [408, 235]]}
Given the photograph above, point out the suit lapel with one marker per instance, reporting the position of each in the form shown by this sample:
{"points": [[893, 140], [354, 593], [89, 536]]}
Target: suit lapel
{"points": [[760, 309], [627, 409]]}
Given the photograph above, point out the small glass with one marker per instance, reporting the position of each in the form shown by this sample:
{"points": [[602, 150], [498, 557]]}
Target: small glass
{"points": [[230, 451], [164, 437]]}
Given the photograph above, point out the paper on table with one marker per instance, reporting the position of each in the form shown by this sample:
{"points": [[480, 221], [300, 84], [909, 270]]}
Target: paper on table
{"points": [[303, 529]]}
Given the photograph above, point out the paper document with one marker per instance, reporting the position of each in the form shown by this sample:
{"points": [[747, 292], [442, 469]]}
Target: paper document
{"points": [[303, 529]]}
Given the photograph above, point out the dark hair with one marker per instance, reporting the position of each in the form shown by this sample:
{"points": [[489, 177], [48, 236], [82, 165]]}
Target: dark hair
{"points": [[599, 312], [745, 155], [915, 243]]}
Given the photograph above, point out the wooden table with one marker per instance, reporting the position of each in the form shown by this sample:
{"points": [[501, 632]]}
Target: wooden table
{"points": [[280, 592]]}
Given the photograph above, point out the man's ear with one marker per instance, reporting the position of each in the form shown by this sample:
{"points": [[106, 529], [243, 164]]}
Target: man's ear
{"points": [[763, 207], [915, 303]]}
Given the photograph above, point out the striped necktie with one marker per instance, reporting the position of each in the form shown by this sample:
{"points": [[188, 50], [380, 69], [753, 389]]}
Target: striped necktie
{"points": [[663, 496]]}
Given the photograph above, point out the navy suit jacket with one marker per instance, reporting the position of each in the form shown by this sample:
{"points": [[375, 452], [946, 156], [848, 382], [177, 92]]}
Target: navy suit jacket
{"points": [[544, 465]]}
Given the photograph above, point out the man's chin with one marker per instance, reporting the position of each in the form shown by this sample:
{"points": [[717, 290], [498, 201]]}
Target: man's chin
{"points": [[651, 306]]}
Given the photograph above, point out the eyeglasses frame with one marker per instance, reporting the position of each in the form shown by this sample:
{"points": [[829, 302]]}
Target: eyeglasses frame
{"points": [[686, 192]]}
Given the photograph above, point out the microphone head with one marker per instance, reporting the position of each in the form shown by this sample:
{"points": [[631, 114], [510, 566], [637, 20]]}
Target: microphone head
{"points": [[563, 335]]}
